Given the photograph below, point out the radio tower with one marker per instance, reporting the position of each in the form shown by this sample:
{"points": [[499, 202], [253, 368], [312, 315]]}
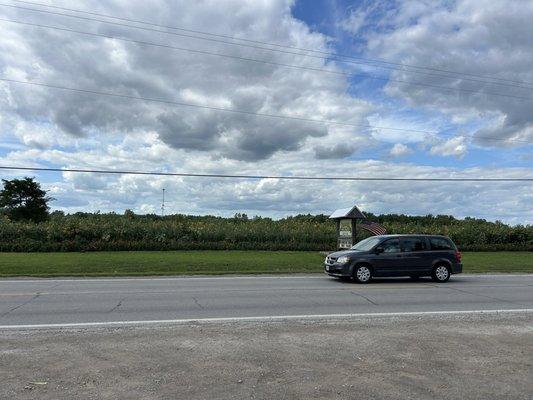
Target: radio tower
{"points": [[163, 204]]}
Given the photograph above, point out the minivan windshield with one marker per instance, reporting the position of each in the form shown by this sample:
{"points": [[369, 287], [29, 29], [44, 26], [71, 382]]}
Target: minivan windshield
{"points": [[366, 244]]}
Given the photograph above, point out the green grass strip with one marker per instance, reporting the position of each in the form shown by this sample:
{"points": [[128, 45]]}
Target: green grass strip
{"points": [[138, 263]]}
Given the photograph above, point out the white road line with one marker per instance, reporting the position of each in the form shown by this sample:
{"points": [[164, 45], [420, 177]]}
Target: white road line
{"points": [[269, 318], [317, 275]]}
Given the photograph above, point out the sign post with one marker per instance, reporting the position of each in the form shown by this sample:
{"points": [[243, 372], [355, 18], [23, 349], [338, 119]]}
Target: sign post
{"points": [[346, 220]]}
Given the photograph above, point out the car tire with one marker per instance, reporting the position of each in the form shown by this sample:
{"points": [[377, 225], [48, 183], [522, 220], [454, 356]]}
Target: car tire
{"points": [[441, 273], [362, 273]]}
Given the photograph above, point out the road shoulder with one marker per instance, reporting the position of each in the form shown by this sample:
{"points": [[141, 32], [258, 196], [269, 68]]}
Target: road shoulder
{"points": [[475, 357]]}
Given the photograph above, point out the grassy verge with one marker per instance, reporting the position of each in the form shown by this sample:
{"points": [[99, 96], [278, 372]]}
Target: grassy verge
{"points": [[501, 261], [211, 262], [158, 263]]}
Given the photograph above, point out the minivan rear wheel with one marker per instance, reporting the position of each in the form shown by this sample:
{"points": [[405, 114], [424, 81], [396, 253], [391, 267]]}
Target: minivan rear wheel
{"points": [[362, 273], [441, 273]]}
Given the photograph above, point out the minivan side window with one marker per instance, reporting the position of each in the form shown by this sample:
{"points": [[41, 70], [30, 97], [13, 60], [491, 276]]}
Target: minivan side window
{"points": [[440, 244], [414, 244], [391, 246]]}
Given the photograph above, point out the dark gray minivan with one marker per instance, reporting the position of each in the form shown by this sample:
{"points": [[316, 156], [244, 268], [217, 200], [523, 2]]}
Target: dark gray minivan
{"points": [[397, 255]]}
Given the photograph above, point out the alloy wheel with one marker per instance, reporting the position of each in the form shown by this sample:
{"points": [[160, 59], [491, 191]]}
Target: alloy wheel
{"points": [[441, 274], [363, 274]]}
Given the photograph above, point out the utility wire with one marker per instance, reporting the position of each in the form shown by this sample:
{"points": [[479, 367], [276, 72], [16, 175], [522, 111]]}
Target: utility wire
{"points": [[285, 177], [326, 53], [333, 57], [277, 116], [182, 104], [322, 70]]}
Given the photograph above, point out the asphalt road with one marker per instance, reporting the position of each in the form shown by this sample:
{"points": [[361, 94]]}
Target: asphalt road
{"points": [[81, 301]]}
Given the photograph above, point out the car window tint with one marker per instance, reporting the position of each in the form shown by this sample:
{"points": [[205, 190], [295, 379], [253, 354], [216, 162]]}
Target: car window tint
{"points": [[366, 244], [391, 246], [440, 244], [414, 244]]}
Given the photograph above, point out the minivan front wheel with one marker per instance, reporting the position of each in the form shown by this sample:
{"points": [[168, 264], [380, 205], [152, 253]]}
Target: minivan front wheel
{"points": [[362, 274], [441, 273]]}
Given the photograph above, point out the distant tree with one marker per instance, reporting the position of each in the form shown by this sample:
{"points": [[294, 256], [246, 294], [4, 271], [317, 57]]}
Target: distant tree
{"points": [[57, 214], [23, 199], [129, 214]]}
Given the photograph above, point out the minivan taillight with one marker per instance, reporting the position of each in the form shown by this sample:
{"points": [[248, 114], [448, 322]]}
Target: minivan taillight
{"points": [[458, 256]]}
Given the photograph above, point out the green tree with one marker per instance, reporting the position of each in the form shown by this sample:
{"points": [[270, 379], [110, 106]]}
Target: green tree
{"points": [[129, 214], [23, 199]]}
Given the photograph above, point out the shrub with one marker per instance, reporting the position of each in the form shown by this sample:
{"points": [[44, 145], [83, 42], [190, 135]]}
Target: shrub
{"points": [[96, 232]]}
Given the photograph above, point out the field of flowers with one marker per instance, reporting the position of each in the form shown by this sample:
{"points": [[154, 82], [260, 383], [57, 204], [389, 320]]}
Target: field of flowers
{"points": [[109, 232]]}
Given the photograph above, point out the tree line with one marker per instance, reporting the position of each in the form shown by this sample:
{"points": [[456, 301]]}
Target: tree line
{"points": [[25, 231]]}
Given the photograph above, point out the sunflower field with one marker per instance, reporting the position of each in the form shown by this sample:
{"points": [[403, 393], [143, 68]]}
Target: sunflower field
{"points": [[109, 232]]}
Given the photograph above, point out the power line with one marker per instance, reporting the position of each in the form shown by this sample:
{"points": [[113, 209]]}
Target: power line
{"points": [[277, 116], [284, 177], [182, 104], [322, 70], [329, 54], [332, 57]]}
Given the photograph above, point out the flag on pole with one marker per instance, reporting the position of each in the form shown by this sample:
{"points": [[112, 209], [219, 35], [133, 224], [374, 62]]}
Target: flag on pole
{"points": [[373, 227]]}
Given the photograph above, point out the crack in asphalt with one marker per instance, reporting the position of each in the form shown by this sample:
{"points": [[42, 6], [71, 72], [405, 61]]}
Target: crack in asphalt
{"points": [[197, 303], [366, 298], [20, 305], [117, 305]]}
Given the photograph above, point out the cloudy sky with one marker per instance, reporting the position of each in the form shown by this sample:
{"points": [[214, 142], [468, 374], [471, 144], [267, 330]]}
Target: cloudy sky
{"points": [[475, 121]]}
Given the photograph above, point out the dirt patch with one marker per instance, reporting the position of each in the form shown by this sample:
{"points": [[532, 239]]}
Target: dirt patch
{"points": [[478, 358]]}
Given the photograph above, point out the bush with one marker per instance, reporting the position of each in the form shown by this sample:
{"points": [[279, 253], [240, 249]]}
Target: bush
{"points": [[98, 232]]}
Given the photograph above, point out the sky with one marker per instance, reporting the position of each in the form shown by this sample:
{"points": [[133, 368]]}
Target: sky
{"points": [[453, 78]]}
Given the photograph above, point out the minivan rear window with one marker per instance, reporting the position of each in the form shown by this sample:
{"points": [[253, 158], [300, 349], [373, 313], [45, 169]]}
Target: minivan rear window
{"points": [[414, 244], [438, 243]]}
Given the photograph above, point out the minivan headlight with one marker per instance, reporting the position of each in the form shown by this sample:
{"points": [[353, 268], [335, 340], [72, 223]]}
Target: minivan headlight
{"points": [[343, 260]]}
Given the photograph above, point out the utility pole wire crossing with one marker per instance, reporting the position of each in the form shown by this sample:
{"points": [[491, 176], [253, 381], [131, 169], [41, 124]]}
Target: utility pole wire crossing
{"points": [[267, 62], [328, 54], [277, 116], [332, 57], [284, 177]]}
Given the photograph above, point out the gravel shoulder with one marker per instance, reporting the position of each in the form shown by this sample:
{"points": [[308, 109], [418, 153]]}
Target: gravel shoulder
{"points": [[452, 357]]}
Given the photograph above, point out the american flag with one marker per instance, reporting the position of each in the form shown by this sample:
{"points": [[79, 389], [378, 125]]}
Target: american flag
{"points": [[373, 227]]}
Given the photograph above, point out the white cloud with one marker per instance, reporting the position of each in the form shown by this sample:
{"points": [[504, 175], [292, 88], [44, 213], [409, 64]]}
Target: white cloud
{"points": [[273, 197], [485, 38], [455, 147], [400, 150], [354, 21], [42, 126], [110, 65]]}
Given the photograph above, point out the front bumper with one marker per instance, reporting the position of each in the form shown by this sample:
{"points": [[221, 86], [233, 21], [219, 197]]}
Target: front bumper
{"points": [[338, 270]]}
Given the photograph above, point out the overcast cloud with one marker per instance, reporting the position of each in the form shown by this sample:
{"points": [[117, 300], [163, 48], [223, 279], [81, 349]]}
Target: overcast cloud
{"points": [[47, 127]]}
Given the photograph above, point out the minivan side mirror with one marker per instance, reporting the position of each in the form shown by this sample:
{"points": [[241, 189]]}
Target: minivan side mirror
{"points": [[379, 250]]}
